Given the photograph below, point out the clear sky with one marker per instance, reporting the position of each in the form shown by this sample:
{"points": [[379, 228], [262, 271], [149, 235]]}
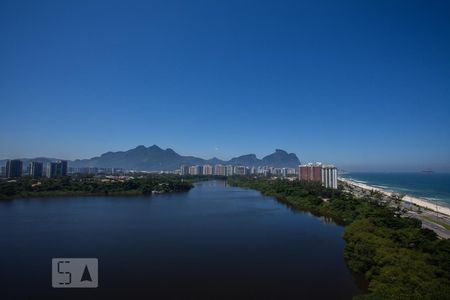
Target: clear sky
{"points": [[363, 84]]}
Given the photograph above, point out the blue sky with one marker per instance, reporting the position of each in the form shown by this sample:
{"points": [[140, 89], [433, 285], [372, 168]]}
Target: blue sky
{"points": [[363, 84]]}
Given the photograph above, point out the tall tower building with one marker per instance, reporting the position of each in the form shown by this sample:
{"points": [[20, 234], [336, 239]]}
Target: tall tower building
{"points": [[220, 170], [310, 172], [14, 168], [207, 170], [329, 176], [184, 170], [229, 170], [195, 170], [57, 169], [326, 174], [240, 170], [36, 169]]}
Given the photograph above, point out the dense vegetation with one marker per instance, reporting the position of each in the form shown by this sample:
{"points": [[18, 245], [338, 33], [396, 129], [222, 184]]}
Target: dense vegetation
{"points": [[88, 185], [399, 259]]}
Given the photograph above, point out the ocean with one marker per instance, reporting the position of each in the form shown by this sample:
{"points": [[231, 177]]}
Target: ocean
{"points": [[434, 187]]}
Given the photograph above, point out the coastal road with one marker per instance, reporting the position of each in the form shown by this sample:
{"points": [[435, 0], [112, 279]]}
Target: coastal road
{"points": [[440, 230], [429, 219]]}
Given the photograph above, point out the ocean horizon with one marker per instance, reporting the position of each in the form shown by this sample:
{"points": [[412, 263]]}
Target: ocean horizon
{"points": [[434, 187]]}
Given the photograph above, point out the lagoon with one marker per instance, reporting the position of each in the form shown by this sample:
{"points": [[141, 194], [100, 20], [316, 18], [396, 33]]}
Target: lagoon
{"points": [[214, 241]]}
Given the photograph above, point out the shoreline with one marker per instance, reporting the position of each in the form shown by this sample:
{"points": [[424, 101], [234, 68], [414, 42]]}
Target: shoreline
{"points": [[407, 198], [131, 193]]}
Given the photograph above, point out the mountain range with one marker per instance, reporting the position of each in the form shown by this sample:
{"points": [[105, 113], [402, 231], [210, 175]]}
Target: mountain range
{"points": [[154, 158]]}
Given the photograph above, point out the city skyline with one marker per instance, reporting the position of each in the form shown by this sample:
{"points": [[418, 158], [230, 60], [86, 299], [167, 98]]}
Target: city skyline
{"points": [[344, 167], [362, 85]]}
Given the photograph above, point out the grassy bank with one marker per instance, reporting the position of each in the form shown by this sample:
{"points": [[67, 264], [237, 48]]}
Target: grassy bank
{"points": [[399, 259]]}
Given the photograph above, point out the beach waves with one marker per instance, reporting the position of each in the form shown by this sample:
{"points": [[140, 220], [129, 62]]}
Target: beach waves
{"points": [[429, 188]]}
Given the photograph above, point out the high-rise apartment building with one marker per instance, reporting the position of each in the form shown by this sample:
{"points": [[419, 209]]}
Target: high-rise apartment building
{"points": [[229, 170], [326, 174], [195, 170], [329, 176], [310, 172], [220, 170], [184, 170], [36, 169], [240, 170], [57, 169], [13, 168], [207, 170]]}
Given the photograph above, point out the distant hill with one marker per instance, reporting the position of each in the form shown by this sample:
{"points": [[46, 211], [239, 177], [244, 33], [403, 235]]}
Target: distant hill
{"points": [[281, 158], [154, 158], [245, 160]]}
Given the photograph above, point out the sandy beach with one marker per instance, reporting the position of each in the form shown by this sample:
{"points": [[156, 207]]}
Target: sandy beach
{"points": [[418, 201]]}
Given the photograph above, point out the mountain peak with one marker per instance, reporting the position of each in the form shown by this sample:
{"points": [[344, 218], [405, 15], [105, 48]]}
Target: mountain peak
{"points": [[280, 151], [281, 158], [154, 158], [154, 147], [246, 160], [249, 155]]}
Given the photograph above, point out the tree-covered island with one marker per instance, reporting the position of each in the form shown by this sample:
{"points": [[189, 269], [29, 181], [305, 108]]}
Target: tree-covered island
{"points": [[398, 258]]}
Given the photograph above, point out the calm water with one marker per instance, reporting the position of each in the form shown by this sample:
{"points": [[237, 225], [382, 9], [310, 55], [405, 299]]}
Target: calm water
{"points": [[212, 242], [431, 186]]}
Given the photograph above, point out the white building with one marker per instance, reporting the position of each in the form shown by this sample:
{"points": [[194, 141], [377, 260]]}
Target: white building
{"points": [[184, 170], [329, 176], [195, 170], [230, 170], [207, 170], [240, 170], [220, 170]]}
